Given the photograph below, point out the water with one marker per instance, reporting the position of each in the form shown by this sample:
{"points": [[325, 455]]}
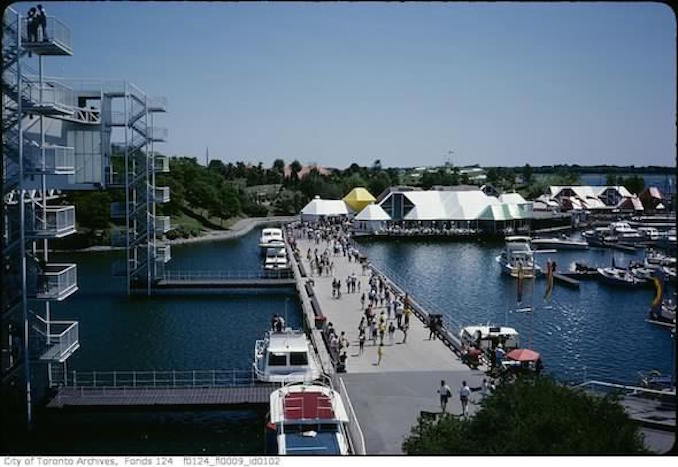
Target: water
{"points": [[594, 332], [598, 328], [185, 331]]}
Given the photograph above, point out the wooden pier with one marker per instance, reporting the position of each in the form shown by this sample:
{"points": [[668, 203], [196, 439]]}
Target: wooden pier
{"points": [[389, 395], [149, 397]]}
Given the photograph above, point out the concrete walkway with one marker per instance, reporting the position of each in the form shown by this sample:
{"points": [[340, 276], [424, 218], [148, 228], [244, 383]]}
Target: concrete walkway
{"points": [[418, 353]]}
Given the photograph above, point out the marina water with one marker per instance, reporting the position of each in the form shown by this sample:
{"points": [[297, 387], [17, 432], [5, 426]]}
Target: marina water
{"points": [[595, 332]]}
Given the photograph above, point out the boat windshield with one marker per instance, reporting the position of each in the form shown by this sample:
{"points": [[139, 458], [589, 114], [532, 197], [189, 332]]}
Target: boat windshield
{"points": [[298, 358]]}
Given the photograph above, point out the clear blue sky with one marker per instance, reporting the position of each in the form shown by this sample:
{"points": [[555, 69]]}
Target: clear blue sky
{"points": [[500, 84]]}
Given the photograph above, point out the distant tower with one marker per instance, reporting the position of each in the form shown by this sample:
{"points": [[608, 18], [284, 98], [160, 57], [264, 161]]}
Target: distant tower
{"points": [[207, 156]]}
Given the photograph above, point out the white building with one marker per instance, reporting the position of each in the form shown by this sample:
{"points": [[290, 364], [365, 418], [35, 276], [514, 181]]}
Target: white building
{"points": [[469, 208], [318, 209], [371, 219]]}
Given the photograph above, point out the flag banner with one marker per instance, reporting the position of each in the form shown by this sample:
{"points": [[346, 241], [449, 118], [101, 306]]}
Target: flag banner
{"points": [[658, 280], [549, 280], [520, 283]]}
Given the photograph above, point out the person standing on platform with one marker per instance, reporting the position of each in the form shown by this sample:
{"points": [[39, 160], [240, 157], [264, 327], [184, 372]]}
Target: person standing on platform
{"points": [[362, 301], [32, 26], [361, 340], [404, 328], [391, 332], [380, 353], [42, 23]]}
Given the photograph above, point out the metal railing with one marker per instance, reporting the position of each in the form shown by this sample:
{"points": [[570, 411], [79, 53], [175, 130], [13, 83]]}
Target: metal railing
{"points": [[57, 33], [163, 253], [57, 281], [59, 160], [59, 221], [62, 340], [161, 194], [354, 431], [225, 275], [157, 134], [161, 164], [53, 95], [157, 104], [162, 224], [625, 389], [161, 379]]}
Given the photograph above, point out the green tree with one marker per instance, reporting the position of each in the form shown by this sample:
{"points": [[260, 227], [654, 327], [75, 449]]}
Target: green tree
{"points": [[611, 180], [634, 183], [279, 166], [378, 183], [532, 416], [527, 173]]}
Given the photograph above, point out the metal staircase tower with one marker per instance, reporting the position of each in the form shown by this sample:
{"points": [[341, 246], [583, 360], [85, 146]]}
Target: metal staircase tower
{"points": [[29, 336]]}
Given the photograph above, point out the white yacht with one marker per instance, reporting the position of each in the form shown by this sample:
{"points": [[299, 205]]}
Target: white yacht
{"points": [[649, 233], [517, 255], [625, 233], [600, 236], [271, 238], [285, 356], [562, 243], [307, 419], [487, 337], [276, 260]]}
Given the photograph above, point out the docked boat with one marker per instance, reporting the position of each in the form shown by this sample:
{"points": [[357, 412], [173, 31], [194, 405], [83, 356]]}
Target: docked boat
{"points": [[285, 356], [562, 243], [650, 234], [307, 419], [271, 238], [276, 260], [600, 236], [486, 338], [666, 313], [518, 256], [620, 277], [626, 234]]}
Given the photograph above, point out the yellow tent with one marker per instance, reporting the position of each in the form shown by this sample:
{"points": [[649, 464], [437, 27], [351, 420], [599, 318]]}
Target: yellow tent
{"points": [[358, 198]]}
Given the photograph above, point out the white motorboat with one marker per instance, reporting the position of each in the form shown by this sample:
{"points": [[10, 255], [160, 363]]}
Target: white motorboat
{"points": [[650, 234], [562, 243], [276, 260], [271, 238], [666, 313], [486, 338], [518, 256], [286, 356], [600, 236], [307, 419], [618, 276], [625, 233]]}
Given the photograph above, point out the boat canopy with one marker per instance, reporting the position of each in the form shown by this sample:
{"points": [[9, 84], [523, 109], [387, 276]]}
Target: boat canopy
{"points": [[306, 403], [283, 342]]}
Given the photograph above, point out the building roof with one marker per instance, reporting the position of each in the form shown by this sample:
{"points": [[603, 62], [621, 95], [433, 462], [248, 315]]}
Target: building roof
{"points": [[358, 198], [462, 205], [287, 342], [325, 207], [513, 198], [584, 191], [372, 212]]}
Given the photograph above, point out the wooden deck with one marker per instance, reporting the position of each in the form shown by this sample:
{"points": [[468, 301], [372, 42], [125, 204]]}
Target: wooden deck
{"points": [[147, 397]]}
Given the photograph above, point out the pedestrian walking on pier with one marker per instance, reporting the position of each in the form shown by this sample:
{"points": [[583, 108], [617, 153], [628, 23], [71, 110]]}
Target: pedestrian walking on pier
{"points": [[391, 332], [407, 312], [464, 394], [382, 332], [362, 301], [445, 394], [361, 340], [380, 353], [405, 327], [373, 331]]}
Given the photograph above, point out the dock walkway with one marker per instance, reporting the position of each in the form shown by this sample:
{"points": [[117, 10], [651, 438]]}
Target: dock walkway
{"points": [[138, 397], [388, 397]]}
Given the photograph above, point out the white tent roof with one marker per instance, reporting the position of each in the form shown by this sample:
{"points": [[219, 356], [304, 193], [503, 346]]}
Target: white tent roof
{"points": [[372, 212], [464, 205], [512, 198], [325, 207]]}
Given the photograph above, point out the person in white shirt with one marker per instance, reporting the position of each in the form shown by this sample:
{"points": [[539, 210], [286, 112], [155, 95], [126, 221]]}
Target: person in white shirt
{"points": [[464, 394], [445, 393]]}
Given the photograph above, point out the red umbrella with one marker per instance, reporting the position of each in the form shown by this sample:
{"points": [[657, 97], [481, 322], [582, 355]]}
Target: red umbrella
{"points": [[523, 355]]}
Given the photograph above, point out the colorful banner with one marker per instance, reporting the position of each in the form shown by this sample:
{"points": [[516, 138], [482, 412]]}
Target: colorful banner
{"points": [[549, 280], [521, 276], [658, 280]]}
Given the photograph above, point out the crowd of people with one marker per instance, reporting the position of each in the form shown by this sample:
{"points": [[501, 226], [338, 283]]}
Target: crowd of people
{"points": [[386, 313]]}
